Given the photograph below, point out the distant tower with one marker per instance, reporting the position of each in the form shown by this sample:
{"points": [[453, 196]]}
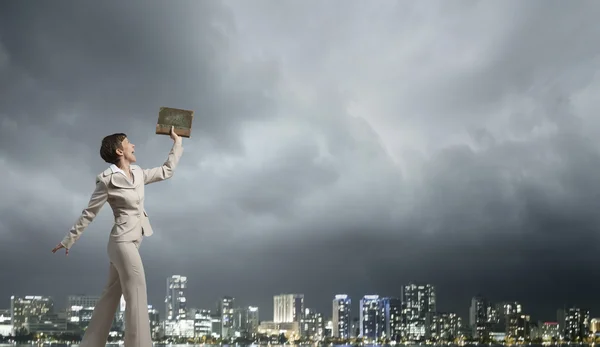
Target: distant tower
{"points": [[369, 317], [418, 301], [226, 309], [288, 308], [341, 316], [175, 300]]}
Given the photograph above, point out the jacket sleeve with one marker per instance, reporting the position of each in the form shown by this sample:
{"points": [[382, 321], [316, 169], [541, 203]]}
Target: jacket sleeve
{"points": [[98, 199], [166, 170]]}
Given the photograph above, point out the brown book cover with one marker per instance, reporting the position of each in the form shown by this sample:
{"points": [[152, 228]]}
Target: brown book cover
{"points": [[180, 119]]}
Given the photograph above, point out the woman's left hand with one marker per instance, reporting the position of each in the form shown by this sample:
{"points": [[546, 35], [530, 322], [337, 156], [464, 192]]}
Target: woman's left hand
{"points": [[59, 246]]}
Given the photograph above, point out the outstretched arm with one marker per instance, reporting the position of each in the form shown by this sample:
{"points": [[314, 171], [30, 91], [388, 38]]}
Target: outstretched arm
{"points": [[98, 199], [165, 171]]}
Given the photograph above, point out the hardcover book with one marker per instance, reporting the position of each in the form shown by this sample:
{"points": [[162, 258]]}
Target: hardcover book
{"points": [[181, 120]]}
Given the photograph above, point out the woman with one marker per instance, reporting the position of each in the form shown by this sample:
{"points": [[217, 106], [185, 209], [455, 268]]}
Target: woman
{"points": [[122, 185]]}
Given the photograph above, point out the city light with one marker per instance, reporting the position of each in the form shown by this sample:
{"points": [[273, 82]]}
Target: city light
{"points": [[409, 318]]}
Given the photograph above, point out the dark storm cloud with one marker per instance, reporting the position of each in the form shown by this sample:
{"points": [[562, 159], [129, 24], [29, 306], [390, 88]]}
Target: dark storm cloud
{"points": [[113, 66], [338, 146]]}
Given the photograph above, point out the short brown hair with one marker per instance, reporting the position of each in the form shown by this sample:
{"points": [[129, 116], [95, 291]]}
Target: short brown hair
{"points": [[110, 144]]}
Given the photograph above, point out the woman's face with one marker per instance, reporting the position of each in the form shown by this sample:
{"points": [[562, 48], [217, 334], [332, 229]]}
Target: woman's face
{"points": [[128, 151]]}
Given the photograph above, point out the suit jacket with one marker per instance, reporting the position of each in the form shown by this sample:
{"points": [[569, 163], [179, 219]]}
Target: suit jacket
{"points": [[126, 200]]}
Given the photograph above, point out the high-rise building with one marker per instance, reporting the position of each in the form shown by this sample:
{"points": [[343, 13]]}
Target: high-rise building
{"points": [[312, 325], [561, 318], [252, 320], [288, 308], [175, 300], [226, 309], [494, 316], [239, 320], [443, 327], [391, 318], [497, 320], [216, 325], [509, 308], [518, 326], [576, 323], [478, 316], [549, 331], [417, 302], [154, 316], [341, 316], [370, 322], [29, 309], [245, 321]]}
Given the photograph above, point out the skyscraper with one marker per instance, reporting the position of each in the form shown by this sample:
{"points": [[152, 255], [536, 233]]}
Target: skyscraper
{"points": [[245, 320], [417, 302], [577, 323], [391, 318], [478, 316], [288, 308], [370, 322], [341, 316], [312, 324], [226, 310], [154, 317], [175, 300], [509, 308], [252, 320], [443, 326]]}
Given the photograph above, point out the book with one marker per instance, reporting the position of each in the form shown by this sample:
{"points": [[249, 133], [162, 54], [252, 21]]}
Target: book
{"points": [[180, 119]]}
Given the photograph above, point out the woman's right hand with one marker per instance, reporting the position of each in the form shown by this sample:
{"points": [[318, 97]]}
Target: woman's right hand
{"points": [[174, 136], [59, 246]]}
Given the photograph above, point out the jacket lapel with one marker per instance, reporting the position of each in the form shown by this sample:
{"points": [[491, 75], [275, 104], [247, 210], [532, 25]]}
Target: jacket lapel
{"points": [[119, 180], [138, 176]]}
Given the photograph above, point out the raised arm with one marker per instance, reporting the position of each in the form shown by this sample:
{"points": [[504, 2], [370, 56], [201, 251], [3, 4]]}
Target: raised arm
{"points": [[98, 199], [165, 171]]}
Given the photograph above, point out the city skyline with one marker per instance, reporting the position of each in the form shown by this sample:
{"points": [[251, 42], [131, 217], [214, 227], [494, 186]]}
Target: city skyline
{"points": [[342, 146], [413, 318], [270, 313]]}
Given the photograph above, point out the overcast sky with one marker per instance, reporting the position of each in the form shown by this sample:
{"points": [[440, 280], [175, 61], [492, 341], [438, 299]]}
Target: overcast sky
{"points": [[338, 146]]}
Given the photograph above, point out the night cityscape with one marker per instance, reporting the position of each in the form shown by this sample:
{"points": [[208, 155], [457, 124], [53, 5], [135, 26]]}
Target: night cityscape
{"points": [[411, 318]]}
